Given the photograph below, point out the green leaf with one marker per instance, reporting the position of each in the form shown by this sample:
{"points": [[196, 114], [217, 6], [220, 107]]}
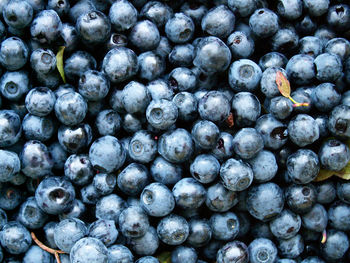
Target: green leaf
{"points": [[164, 257], [59, 63], [345, 172], [324, 175]]}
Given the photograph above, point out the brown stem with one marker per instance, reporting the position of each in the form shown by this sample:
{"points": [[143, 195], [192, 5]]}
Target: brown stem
{"points": [[48, 249]]}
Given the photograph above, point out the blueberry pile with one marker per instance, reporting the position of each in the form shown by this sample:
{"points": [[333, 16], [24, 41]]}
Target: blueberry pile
{"points": [[174, 131]]}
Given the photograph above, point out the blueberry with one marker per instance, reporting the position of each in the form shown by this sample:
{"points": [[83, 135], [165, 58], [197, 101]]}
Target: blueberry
{"points": [[78, 169], [310, 45], [74, 139], [338, 213], [225, 226], [303, 166], [182, 79], [328, 67], [291, 248], [235, 251], [262, 250], [306, 25], [89, 249], [109, 207], [104, 230], [10, 130], [325, 97], [316, 8], [69, 35], [214, 106], [272, 59], [54, 195], [151, 65], [161, 114], [3, 218], [132, 179], [244, 8], [205, 134], [264, 166], [93, 85], [147, 259], [157, 200], [144, 35], [13, 52], [205, 168], [300, 69], [35, 253], [123, 15], [263, 22], [135, 97], [89, 194], [303, 130], [107, 154], [147, 244], [173, 230], [165, 172], [290, 10], [240, 44], [159, 89], [10, 197], [10, 165], [326, 192], [312, 260], [265, 201], [236, 175], [316, 219], [180, 28], [66, 112], [336, 245], [108, 122], [164, 47], [212, 55], [200, 232], [93, 27], [131, 123], [189, 194], [286, 225], [175, 146], [43, 21], [218, 21], [142, 147], [339, 122], [40, 101], [220, 199], [246, 108], [68, 232], [184, 254], [15, 238], [14, 84], [133, 222], [182, 55], [300, 198], [334, 155], [49, 229], [224, 147], [247, 143], [77, 64], [244, 75], [159, 13], [35, 159], [18, 14], [104, 183], [338, 46], [338, 17], [120, 254], [285, 40], [30, 215], [77, 210]]}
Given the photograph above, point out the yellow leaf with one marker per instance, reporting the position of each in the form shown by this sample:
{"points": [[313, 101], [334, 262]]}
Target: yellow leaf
{"points": [[345, 172], [59, 63], [324, 175], [283, 84], [164, 257]]}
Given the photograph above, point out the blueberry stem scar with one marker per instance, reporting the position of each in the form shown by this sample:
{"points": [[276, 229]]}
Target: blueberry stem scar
{"points": [[47, 249]]}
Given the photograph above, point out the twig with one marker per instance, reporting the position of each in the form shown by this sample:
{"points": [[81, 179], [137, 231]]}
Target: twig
{"points": [[47, 249]]}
